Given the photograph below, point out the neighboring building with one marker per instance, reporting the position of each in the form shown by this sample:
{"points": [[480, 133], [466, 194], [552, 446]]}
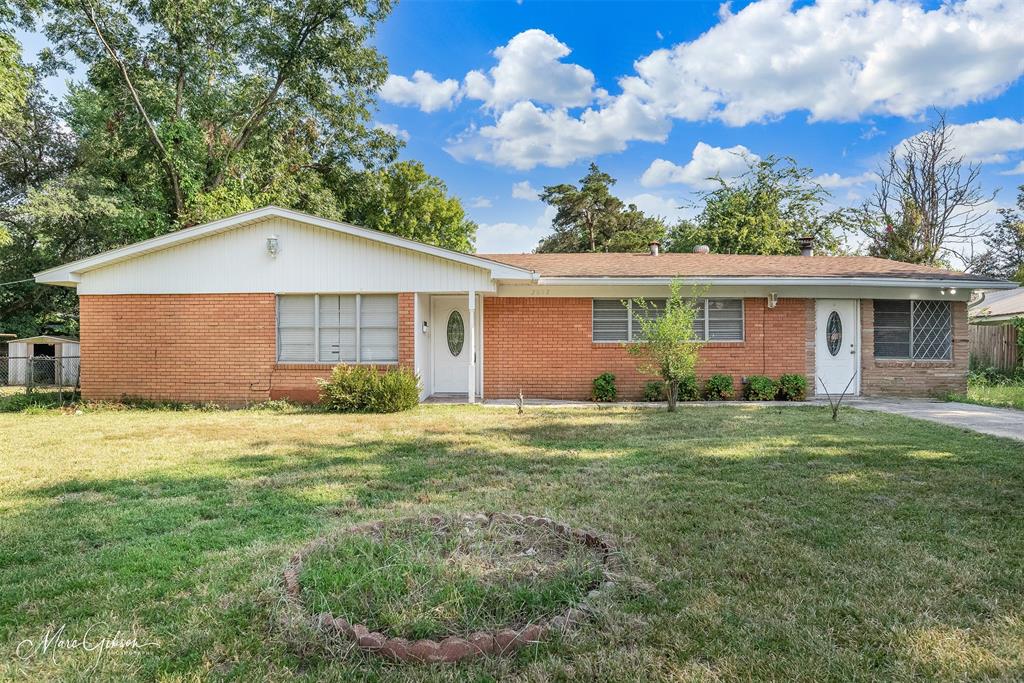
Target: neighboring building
{"points": [[998, 307], [259, 305], [43, 360], [993, 334]]}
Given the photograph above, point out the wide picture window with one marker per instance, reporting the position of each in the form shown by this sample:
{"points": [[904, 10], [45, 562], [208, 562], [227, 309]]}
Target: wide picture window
{"points": [[717, 319], [337, 328]]}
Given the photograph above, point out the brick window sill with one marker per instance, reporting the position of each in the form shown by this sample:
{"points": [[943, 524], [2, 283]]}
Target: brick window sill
{"points": [[896, 363], [326, 366], [710, 344]]}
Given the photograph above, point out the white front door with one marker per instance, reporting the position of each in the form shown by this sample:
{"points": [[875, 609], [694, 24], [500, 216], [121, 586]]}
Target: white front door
{"points": [[450, 341], [837, 346]]}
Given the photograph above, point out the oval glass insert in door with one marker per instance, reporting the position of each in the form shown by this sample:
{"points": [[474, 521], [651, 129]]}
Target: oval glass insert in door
{"points": [[456, 333], [834, 333]]}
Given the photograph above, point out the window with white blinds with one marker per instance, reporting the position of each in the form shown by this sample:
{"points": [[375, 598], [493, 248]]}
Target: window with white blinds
{"points": [[716, 319], [337, 328]]}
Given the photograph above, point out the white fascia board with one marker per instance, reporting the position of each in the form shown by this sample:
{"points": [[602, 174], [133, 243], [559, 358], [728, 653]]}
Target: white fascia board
{"points": [[782, 282], [69, 274]]}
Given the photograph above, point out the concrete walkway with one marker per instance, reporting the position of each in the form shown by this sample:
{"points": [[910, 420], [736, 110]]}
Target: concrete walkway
{"points": [[1005, 422]]}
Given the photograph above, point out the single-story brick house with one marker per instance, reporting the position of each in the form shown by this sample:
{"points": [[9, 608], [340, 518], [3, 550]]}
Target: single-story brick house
{"points": [[259, 305]]}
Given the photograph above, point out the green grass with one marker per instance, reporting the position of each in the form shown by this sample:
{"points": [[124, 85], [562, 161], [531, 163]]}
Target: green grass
{"points": [[1000, 396], [763, 543], [420, 582]]}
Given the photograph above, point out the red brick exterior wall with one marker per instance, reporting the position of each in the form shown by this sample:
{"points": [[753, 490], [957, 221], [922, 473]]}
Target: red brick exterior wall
{"points": [[882, 377], [544, 347], [198, 347]]}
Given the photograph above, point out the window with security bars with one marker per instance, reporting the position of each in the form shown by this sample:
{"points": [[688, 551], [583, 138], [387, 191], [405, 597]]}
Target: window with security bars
{"points": [[913, 330], [716, 319], [337, 328]]}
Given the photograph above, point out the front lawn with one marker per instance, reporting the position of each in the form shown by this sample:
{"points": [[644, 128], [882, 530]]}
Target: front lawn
{"points": [[760, 542], [999, 396]]}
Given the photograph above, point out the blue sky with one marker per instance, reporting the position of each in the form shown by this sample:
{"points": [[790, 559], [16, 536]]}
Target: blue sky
{"points": [[500, 98], [832, 84]]}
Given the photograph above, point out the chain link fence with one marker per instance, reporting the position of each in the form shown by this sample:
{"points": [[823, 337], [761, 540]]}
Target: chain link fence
{"points": [[33, 372]]}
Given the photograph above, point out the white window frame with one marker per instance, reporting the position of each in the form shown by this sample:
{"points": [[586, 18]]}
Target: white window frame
{"points": [[316, 331], [707, 324]]}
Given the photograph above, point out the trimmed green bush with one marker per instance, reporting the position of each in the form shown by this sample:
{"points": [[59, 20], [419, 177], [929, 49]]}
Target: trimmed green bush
{"points": [[604, 388], [760, 388], [689, 390], [718, 388], [792, 387], [364, 389], [654, 391]]}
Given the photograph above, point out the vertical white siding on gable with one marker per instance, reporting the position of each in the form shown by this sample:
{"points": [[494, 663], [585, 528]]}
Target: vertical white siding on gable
{"points": [[309, 259]]}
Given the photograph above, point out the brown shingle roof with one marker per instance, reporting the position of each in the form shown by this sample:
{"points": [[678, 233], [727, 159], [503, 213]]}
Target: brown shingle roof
{"points": [[722, 265]]}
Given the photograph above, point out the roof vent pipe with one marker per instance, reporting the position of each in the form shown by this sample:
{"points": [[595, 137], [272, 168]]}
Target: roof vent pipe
{"points": [[655, 248], [806, 245], [702, 249]]}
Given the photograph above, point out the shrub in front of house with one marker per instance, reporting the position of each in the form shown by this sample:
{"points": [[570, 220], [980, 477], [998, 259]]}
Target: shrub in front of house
{"points": [[364, 389], [689, 390], [718, 388], [604, 388], [654, 391], [792, 388], [760, 388]]}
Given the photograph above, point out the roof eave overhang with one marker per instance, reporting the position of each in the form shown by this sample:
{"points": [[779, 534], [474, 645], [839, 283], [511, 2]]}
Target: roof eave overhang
{"points": [[783, 281], [70, 274]]}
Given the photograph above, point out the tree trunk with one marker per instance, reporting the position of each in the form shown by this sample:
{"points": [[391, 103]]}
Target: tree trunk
{"points": [[673, 395]]}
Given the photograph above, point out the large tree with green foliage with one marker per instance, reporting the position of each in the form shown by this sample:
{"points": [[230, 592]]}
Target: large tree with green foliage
{"points": [[1004, 242], [191, 111], [764, 211], [209, 107], [590, 218], [405, 200]]}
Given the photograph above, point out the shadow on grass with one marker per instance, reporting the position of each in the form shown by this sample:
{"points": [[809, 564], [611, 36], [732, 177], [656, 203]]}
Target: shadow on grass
{"points": [[786, 525]]}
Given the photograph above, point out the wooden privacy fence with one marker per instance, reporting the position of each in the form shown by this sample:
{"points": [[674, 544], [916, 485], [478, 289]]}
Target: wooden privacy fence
{"points": [[995, 346]]}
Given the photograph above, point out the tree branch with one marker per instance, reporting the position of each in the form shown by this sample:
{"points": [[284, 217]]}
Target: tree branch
{"points": [[154, 137]]}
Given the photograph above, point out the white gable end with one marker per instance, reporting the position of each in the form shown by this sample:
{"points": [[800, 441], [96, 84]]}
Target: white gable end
{"points": [[309, 259]]}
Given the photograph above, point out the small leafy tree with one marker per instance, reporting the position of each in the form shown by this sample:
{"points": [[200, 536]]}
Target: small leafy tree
{"points": [[669, 344]]}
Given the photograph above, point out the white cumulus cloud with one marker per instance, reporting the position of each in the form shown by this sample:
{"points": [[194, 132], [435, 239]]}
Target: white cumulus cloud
{"points": [[706, 162], [422, 90], [526, 135], [833, 181], [480, 203], [988, 140], [838, 60], [669, 208], [513, 238], [394, 129], [530, 68], [523, 190]]}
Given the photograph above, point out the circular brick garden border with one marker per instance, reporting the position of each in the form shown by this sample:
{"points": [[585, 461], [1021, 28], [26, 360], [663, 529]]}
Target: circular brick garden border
{"points": [[454, 648]]}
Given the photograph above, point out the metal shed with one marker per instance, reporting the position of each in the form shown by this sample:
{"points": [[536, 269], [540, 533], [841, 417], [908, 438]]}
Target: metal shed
{"points": [[43, 360]]}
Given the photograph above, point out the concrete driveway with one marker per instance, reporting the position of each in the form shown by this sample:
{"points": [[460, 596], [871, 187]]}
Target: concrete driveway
{"points": [[1005, 422]]}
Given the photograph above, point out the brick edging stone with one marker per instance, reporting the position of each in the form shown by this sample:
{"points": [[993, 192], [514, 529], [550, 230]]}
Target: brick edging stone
{"points": [[453, 648]]}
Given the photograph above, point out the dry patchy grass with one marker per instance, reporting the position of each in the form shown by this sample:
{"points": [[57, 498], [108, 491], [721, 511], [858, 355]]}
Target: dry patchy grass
{"points": [[765, 543]]}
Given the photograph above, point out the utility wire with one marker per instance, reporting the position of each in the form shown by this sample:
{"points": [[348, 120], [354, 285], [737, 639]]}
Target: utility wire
{"points": [[16, 282]]}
